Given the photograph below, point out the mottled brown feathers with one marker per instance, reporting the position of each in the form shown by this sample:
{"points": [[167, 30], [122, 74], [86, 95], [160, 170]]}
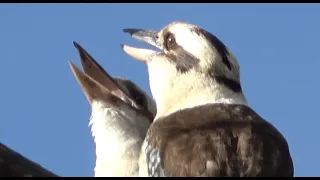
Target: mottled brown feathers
{"points": [[220, 140]]}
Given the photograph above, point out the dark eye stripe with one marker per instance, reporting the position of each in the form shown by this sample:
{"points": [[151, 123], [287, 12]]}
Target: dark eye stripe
{"points": [[220, 47], [231, 84], [137, 95]]}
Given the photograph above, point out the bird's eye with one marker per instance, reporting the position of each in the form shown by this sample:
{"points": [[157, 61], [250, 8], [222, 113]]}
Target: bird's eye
{"points": [[170, 41], [140, 100]]}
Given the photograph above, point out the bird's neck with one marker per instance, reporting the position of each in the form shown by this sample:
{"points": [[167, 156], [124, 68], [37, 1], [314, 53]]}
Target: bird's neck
{"points": [[188, 93], [118, 136]]}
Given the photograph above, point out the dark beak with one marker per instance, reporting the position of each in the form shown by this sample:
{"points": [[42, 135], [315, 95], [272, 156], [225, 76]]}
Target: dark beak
{"points": [[92, 88], [147, 36], [95, 74]]}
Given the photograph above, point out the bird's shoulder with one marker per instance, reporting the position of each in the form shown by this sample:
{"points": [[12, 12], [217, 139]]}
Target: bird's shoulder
{"points": [[219, 140]]}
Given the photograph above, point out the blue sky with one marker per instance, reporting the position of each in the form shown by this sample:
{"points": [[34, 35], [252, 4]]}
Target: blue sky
{"points": [[45, 115]]}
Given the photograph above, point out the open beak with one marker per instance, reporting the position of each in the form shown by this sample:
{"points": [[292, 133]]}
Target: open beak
{"points": [[92, 88], [96, 82], [147, 36]]}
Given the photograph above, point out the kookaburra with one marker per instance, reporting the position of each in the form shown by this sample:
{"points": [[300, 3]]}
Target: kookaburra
{"points": [[120, 116], [204, 125]]}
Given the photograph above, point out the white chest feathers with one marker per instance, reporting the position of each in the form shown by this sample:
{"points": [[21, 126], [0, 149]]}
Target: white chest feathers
{"points": [[118, 134]]}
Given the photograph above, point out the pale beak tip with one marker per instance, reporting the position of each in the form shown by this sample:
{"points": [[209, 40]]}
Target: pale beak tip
{"points": [[70, 63], [144, 55], [126, 48]]}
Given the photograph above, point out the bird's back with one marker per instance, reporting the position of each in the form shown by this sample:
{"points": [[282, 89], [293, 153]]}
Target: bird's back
{"points": [[219, 140]]}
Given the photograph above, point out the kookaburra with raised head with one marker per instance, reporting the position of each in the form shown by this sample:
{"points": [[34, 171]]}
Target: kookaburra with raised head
{"points": [[204, 125], [120, 116]]}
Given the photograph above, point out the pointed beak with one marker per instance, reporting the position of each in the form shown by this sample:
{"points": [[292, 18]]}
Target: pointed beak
{"points": [[95, 74], [147, 36], [92, 88]]}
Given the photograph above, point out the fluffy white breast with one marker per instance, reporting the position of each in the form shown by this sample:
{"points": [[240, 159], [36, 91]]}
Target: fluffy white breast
{"points": [[174, 91], [118, 135]]}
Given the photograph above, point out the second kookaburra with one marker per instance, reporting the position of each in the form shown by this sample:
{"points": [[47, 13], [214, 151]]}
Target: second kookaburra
{"points": [[204, 125], [121, 114]]}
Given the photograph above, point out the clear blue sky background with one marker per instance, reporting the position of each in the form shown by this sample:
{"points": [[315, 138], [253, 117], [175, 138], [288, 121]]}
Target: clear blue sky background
{"points": [[45, 115]]}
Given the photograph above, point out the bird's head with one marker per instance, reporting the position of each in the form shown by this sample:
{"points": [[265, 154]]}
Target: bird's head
{"points": [[114, 92], [192, 59]]}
